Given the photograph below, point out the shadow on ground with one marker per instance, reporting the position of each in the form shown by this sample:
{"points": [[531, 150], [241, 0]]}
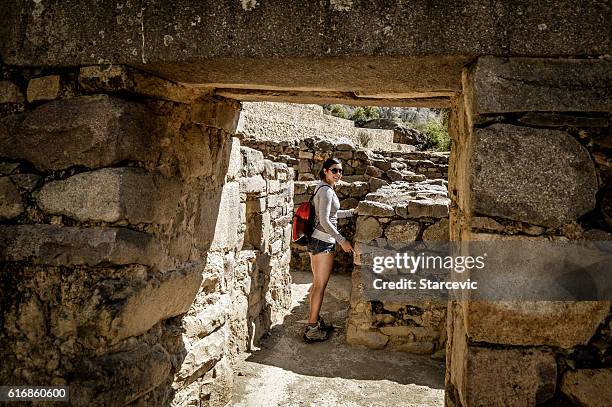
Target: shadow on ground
{"points": [[334, 358]]}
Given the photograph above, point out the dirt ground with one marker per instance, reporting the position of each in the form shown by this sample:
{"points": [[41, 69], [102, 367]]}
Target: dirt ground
{"points": [[288, 372]]}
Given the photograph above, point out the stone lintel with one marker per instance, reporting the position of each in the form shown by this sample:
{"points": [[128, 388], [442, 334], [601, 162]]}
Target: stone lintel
{"points": [[183, 37]]}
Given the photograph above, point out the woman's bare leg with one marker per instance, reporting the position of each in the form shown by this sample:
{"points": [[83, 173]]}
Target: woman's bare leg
{"points": [[321, 265]]}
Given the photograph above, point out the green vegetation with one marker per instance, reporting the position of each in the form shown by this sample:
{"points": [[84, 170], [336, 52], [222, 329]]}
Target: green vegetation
{"points": [[437, 135], [364, 138], [431, 122], [338, 111], [364, 114]]}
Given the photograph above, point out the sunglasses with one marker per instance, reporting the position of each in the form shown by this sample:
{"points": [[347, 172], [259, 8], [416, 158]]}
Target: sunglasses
{"points": [[336, 170]]}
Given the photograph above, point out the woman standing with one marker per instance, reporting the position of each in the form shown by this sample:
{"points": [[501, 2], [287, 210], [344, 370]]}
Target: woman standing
{"points": [[322, 243]]}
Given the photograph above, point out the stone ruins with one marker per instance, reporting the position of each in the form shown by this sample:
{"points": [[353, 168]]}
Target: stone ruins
{"points": [[146, 201]]}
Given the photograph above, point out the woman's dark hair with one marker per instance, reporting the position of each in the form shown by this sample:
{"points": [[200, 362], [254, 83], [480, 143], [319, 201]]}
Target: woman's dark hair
{"points": [[327, 165]]}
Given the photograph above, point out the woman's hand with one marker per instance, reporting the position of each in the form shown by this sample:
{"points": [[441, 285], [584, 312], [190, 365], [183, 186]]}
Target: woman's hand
{"points": [[355, 212], [346, 246]]}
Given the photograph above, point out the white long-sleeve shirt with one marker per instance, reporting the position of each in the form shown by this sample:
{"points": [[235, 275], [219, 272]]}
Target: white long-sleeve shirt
{"points": [[327, 213]]}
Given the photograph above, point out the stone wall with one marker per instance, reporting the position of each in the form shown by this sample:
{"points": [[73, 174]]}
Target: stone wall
{"points": [[378, 167], [532, 162], [261, 290], [129, 271], [365, 172], [399, 213], [286, 122]]}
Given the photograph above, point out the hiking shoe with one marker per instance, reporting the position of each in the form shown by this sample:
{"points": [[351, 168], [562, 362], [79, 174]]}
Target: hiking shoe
{"points": [[324, 326], [315, 334]]}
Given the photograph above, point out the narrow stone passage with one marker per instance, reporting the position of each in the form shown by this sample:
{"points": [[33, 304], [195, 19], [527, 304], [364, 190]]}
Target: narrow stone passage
{"points": [[288, 372]]}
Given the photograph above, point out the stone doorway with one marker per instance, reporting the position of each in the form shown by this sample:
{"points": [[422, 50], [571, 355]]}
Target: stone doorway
{"points": [[109, 109], [302, 136]]}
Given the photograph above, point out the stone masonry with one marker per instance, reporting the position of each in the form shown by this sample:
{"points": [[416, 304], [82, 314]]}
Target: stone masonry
{"points": [[142, 247], [532, 162], [390, 217]]}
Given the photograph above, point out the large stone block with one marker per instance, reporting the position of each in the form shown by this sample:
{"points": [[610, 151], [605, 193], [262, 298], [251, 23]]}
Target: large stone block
{"points": [[402, 231], [234, 166], [164, 296], [119, 79], [254, 184], [120, 378], [207, 319], [371, 208], [216, 113], [252, 161], [358, 189], [532, 323], [588, 387], [544, 177], [419, 348], [274, 186], [202, 355], [368, 229], [70, 246], [92, 131], [215, 387], [437, 231], [376, 183], [11, 204], [112, 195], [509, 377], [419, 37], [374, 171], [501, 85], [370, 338], [228, 218], [428, 208]]}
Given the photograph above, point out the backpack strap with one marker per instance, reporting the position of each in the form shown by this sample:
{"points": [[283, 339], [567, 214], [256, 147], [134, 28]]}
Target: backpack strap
{"points": [[317, 190], [312, 197]]}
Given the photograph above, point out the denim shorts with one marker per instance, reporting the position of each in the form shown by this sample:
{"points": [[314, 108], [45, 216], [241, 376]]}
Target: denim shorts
{"points": [[316, 246]]}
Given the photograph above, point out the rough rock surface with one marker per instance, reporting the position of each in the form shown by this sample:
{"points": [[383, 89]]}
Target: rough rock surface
{"points": [[10, 93], [532, 84], [92, 131], [69, 246], [43, 88], [563, 324], [588, 387], [300, 34], [509, 377], [112, 195], [544, 177], [120, 378]]}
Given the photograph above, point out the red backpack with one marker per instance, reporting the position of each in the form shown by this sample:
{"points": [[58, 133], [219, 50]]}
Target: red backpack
{"points": [[303, 221]]}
